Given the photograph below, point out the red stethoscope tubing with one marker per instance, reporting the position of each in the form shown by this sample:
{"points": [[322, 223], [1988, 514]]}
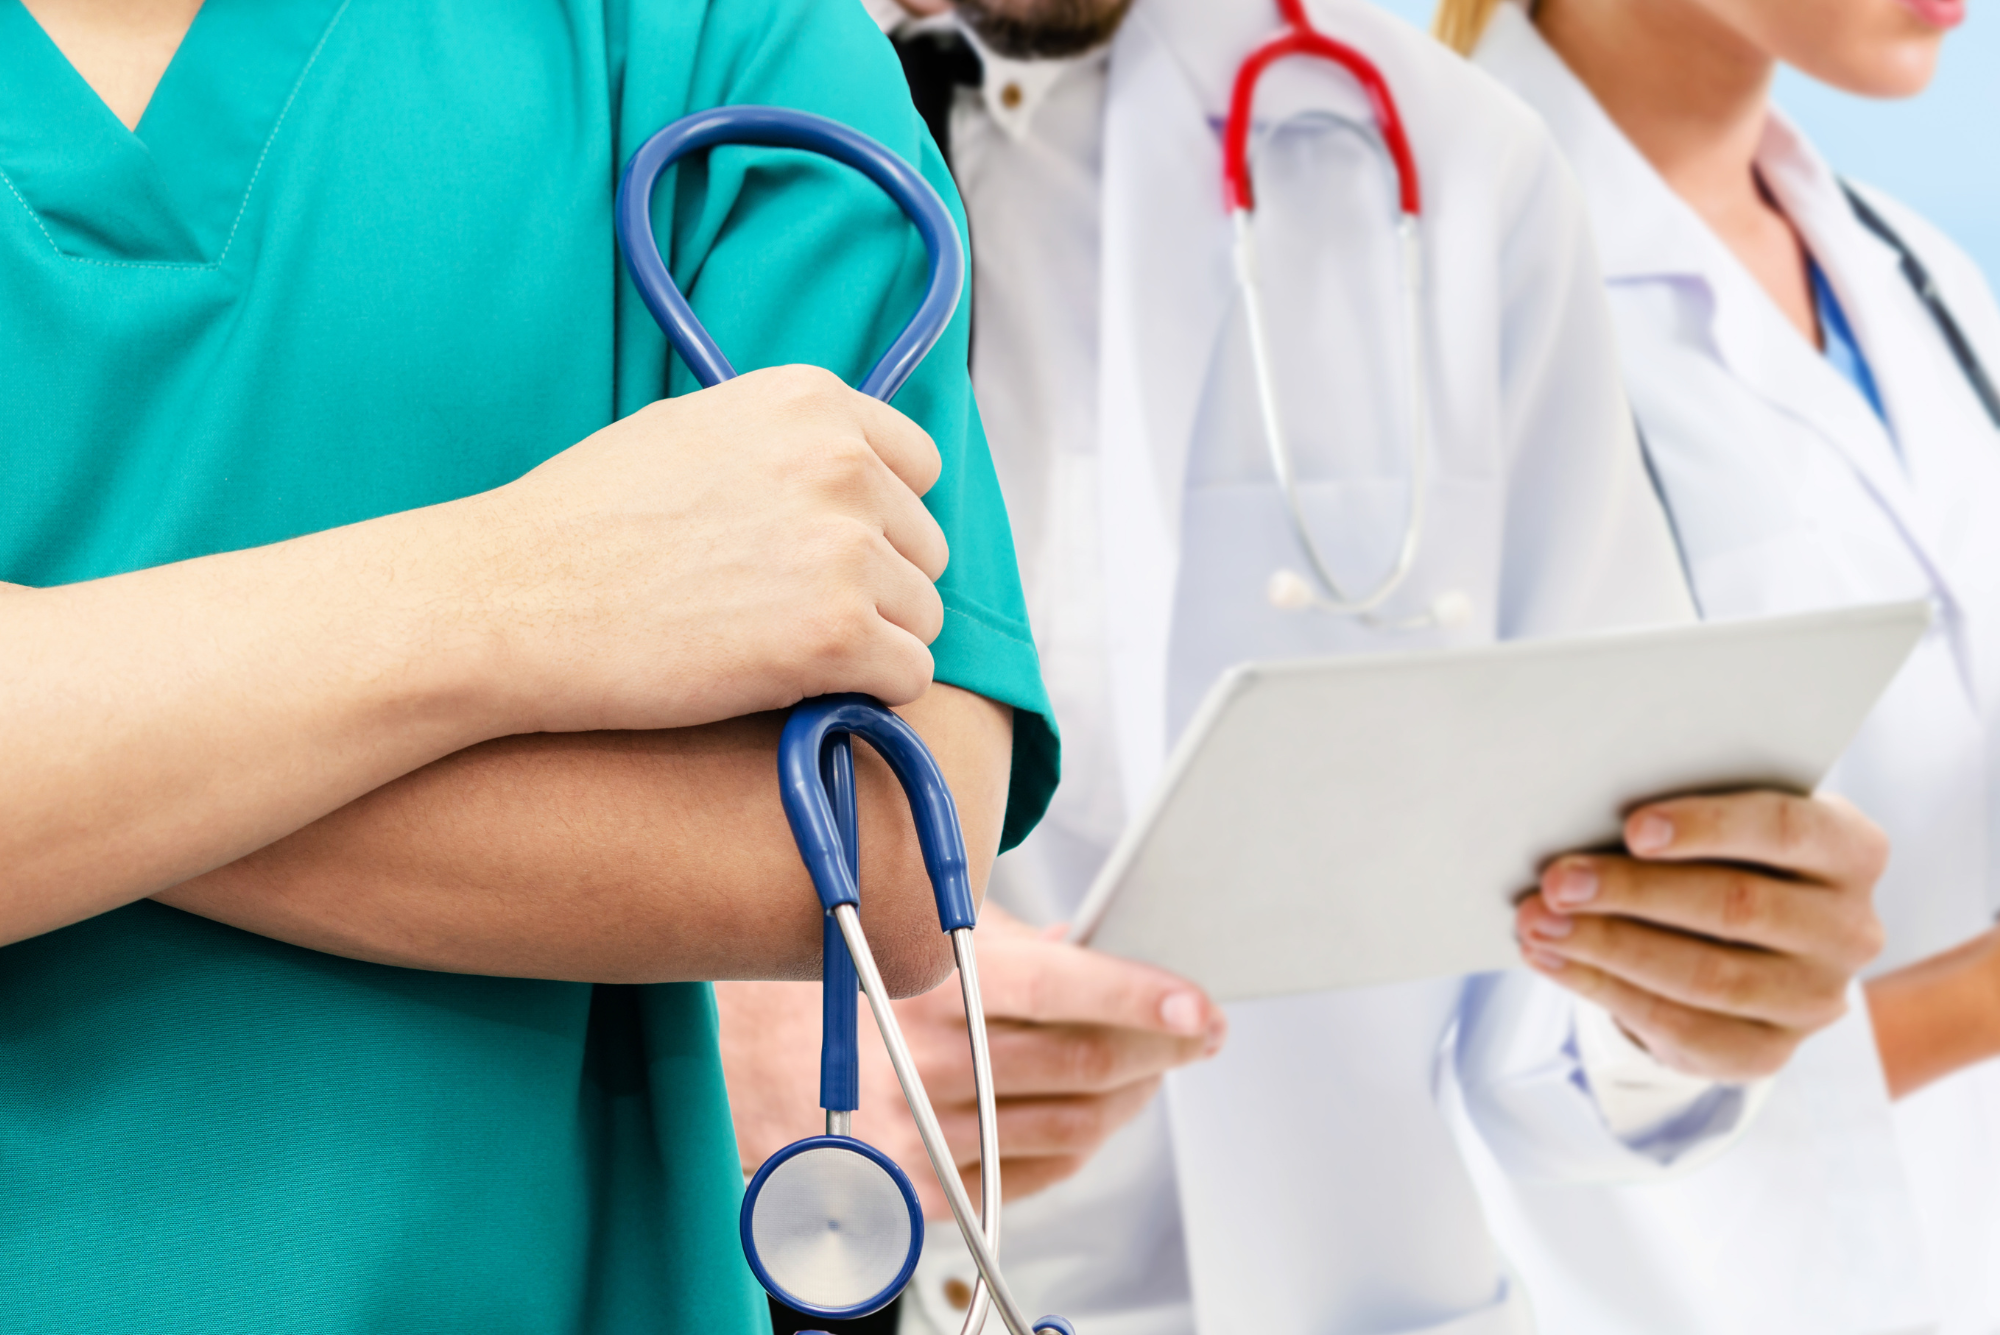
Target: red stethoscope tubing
{"points": [[1287, 589], [1300, 38]]}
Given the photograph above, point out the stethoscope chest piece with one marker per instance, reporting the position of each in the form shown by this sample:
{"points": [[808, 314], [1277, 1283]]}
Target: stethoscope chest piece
{"points": [[831, 1226]]}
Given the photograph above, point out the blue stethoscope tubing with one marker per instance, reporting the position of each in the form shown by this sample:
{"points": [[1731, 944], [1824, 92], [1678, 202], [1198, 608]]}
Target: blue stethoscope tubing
{"points": [[781, 127], [815, 758]]}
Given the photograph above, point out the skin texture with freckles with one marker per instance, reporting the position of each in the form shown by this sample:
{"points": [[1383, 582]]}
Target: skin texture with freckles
{"points": [[1726, 933]]}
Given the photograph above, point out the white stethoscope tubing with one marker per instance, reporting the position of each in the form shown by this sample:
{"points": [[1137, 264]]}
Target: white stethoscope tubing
{"points": [[1287, 592], [982, 1240]]}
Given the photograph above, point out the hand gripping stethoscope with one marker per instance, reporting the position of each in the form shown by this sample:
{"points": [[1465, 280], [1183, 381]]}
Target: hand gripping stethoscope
{"points": [[830, 1224], [1287, 588]]}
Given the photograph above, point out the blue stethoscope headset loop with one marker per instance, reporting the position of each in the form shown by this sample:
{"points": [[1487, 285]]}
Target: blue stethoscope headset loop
{"points": [[815, 761], [781, 127]]}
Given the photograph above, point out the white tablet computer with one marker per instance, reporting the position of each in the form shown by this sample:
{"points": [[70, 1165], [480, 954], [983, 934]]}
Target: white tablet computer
{"points": [[1371, 819]]}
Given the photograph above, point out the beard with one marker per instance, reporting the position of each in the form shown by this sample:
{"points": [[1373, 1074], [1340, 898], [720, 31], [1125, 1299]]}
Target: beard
{"points": [[1027, 29]]}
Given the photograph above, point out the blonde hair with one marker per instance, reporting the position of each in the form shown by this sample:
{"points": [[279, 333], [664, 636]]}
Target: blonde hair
{"points": [[1459, 23]]}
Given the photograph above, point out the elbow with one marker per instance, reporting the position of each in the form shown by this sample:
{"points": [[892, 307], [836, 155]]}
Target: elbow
{"points": [[972, 738], [914, 963], [899, 914]]}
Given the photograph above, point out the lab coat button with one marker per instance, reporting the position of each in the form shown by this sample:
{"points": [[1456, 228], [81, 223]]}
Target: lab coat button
{"points": [[1010, 98], [956, 1291]]}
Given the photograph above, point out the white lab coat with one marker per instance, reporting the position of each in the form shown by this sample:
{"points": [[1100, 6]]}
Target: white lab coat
{"points": [[1788, 493], [1306, 1180]]}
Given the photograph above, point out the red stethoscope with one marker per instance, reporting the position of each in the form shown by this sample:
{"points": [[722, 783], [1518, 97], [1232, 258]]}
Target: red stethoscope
{"points": [[1287, 588]]}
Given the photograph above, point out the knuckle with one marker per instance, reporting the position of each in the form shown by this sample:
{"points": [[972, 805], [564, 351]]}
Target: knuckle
{"points": [[1671, 1027], [1790, 830], [929, 615], [802, 383], [828, 637], [1866, 937], [1033, 989], [838, 467], [1090, 1061], [1743, 902], [1078, 1123], [1716, 976]]}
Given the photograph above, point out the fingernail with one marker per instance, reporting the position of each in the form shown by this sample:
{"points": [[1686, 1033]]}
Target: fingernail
{"points": [[1650, 834], [1181, 1013], [1218, 1029], [1551, 926], [1546, 961], [1571, 883]]}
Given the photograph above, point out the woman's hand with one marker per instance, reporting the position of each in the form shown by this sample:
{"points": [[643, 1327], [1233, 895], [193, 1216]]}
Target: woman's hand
{"points": [[1730, 932]]}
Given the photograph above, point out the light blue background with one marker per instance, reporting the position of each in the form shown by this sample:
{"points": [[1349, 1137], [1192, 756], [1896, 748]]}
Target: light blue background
{"points": [[1938, 152]]}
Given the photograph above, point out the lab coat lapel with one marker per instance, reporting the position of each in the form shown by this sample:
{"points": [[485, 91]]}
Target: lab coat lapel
{"points": [[1165, 293], [1949, 452], [1781, 367], [1648, 234]]}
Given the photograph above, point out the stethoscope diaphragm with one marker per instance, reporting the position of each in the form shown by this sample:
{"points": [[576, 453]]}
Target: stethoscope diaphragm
{"points": [[831, 1226]]}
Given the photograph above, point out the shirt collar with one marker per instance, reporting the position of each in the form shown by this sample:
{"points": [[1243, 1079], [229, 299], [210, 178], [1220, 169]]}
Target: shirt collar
{"points": [[1013, 90]]}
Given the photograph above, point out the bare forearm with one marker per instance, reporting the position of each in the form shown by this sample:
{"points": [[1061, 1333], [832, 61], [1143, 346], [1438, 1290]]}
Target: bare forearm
{"points": [[163, 722], [705, 558], [625, 857], [1938, 1015]]}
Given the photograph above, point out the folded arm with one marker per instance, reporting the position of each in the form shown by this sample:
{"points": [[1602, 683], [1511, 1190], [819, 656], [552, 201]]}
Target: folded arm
{"points": [[615, 857]]}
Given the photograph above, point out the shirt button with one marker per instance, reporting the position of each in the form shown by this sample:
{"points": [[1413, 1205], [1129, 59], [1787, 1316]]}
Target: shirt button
{"points": [[956, 1291], [1010, 98]]}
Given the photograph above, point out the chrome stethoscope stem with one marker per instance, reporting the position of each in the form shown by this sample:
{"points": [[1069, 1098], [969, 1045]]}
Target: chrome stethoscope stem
{"points": [[981, 1241], [989, 1120], [1332, 598]]}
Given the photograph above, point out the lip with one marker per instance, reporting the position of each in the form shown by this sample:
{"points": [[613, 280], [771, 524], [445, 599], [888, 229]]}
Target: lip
{"points": [[1937, 13]]}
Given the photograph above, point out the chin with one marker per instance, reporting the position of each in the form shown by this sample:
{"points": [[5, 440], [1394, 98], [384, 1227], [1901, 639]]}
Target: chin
{"points": [[1887, 74], [1873, 48]]}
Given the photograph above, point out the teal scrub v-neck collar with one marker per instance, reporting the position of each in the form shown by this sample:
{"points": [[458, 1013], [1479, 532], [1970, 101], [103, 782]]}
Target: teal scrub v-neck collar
{"points": [[172, 191]]}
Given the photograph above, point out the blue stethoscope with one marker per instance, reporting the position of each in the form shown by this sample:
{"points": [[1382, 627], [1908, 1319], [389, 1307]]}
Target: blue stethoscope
{"points": [[830, 1224]]}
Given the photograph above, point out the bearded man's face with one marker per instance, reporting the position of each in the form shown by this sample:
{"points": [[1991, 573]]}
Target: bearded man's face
{"points": [[1023, 29]]}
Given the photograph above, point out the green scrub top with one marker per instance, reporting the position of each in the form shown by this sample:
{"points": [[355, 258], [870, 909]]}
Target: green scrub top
{"points": [[358, 257]]}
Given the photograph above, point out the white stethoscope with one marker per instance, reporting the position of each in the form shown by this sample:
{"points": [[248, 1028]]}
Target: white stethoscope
{"points": [[1287, 588], [830, 1225]]}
